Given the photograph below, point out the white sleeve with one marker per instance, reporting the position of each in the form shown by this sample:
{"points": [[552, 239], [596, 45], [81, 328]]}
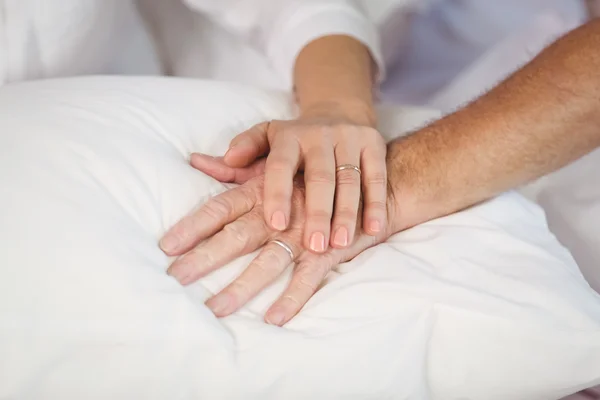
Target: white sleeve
{"points": [[281, 28]]}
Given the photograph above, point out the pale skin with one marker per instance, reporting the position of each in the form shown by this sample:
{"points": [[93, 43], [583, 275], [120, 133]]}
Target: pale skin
{"points": [[543, 117], [333, 87]]}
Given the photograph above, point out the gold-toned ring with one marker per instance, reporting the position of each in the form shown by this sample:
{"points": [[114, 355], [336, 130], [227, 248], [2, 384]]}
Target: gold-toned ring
{"points": [[348, 166]]}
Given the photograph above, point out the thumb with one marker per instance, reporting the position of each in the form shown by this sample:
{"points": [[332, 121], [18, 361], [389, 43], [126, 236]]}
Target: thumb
{"points": [[246, 147], [217, 169]]}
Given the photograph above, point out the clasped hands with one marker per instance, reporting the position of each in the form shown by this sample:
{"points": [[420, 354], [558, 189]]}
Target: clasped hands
{"points": [[315, 220]]}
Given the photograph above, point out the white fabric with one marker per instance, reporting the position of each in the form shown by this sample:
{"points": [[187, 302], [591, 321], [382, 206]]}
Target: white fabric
{"points": [[484, 304], [45, 38], [571, 199], [280, 29], [501, 60], [254, 42], [426, 48], [425, 44]]}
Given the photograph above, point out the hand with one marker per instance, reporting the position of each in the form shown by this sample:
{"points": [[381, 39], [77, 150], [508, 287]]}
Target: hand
{"points": [[234, 225], [318, 142]]}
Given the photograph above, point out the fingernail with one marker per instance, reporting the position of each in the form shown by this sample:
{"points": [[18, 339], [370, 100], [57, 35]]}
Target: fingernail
{"points": [[375, 226], [200, 156], [275, 317], [179, 271], [239, 144], [341, 237], [278, 220], [219, 303], [169, 243], [317, 242]]}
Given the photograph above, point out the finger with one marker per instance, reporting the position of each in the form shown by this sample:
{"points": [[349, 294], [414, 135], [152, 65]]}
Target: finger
{"points": [[236, 239], [216, 168], [306, 280], [309, 274], [319, 177], [209, 219], [280, 169], [264, 269], [248, 146], [374, 176], [347, 195]]}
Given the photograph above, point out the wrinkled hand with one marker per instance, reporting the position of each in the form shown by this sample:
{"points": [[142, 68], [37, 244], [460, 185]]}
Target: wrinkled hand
{"points": [[318, 143], [234, 225]]}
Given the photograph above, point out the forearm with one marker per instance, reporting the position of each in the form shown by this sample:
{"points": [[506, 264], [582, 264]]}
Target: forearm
{"points": [[335, 73], [543, 117]]}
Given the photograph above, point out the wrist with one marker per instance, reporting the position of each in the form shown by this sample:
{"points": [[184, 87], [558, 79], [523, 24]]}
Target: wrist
{"points": [[357, 111], [420, 188], [404, 191]]}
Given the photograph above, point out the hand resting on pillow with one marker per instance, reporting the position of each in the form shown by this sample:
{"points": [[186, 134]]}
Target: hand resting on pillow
{"points": [[235, 219], [463, 307], [517, 132], [317, 143]]}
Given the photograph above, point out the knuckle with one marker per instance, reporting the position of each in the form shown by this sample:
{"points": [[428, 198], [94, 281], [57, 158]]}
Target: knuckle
{"points": [[255, 220], [240, 290], [367, 130], [237, 231], [303, 130], [347, 177], [376, 178], [376, 205], [293, 300], [263, 269], [306, 282], [319, 214], [343, 132], [216, 209], [371, 133], [277, 163], [248, 195], [320, 176], [345, 213], [311, 274], [199, 259]]}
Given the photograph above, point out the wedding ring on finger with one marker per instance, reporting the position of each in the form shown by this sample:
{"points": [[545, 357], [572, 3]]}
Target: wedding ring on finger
{"points": [[287, 248], [348, 166]]}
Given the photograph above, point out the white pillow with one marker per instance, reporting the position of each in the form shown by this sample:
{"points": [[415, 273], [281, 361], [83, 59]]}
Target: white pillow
{"points": [[571, 199], [484, 304]]}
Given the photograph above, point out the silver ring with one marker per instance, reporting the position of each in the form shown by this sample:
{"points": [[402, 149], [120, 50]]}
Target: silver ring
{"points": [[348, 166], [285, 247]]}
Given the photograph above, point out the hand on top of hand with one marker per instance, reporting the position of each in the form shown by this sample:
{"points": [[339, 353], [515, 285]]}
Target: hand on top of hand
{"points": [[234, 225], [294, 217], [341, 157]]}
